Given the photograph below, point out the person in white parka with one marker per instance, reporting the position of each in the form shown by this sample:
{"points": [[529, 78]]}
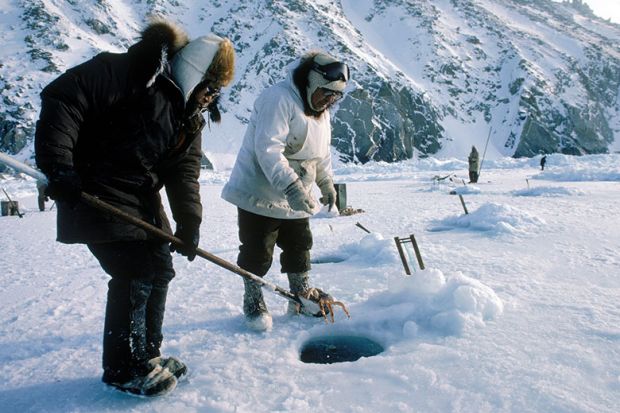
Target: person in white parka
{"points": [[285, 151]]}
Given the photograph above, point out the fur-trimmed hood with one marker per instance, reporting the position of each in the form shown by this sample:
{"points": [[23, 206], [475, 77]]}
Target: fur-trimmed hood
{"points": [[164, 48], [158, 44]]}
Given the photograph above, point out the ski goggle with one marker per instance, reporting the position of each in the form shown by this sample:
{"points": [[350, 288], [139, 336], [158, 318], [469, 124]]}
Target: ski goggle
{"points": [[332, 71]]}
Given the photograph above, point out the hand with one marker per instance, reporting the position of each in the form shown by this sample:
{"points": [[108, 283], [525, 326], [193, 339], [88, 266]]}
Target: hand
{"points": [[328, 193], [298, 198], [64, 185], [189, 233]]}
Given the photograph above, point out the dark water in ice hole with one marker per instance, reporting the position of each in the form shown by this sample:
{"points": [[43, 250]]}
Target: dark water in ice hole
{"points": [[337, 349]]}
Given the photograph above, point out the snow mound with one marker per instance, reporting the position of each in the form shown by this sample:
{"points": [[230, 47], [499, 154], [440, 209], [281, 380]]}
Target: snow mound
{"points": [[492, 218], [462, 190], [427, 302], [372, 248], [581, 168], [547, 191], [580, 175]]}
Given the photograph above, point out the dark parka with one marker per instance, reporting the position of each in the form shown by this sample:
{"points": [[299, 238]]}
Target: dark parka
{"points": [[119, 121]]}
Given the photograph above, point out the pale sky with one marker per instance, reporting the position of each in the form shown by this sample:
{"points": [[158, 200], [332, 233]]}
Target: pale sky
{"points": [[606, 9]]}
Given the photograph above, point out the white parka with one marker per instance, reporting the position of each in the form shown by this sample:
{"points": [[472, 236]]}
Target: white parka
{"points": [[281, 144]]}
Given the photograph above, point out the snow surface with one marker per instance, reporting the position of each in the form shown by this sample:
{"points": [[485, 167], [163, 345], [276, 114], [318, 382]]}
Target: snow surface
{"points": [[516, 311]]}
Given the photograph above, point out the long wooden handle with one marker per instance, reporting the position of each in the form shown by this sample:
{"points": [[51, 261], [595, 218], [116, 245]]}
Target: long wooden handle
{"points": [[103, 206]]}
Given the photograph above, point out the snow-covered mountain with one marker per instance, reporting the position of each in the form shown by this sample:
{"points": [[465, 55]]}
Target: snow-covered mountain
{"points": [[429, 77]]}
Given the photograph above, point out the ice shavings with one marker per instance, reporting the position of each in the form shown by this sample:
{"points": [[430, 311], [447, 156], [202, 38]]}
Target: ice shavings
{"points": [[427, 302]]}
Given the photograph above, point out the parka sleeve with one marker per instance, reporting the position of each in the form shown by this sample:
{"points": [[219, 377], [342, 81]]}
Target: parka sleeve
{"points": [[272, 127], [66, 103], [182, 187]]}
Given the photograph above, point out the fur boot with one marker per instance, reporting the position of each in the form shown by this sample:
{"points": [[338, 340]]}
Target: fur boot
{"points": [[256, 315]]}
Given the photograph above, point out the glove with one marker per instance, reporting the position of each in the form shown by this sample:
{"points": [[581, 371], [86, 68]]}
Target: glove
{"points": [[328, 193], [64, 185], [189, 233], [298, 198]]}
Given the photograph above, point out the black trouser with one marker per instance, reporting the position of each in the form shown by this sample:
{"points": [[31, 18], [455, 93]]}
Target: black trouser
{"points": [[473, 176], [259, 234], [140, 271]]}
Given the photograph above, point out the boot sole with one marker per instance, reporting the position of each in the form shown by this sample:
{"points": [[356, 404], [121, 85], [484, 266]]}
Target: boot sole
{"points": [[157, 391]]}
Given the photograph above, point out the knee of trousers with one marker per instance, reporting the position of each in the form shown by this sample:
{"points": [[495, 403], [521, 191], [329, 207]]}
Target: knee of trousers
{"points": [[295, 261], [258, 263]]}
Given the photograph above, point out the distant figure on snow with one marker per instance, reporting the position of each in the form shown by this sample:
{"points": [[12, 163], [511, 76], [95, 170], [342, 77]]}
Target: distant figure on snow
{"points": [[543, 161], [474, 165]]}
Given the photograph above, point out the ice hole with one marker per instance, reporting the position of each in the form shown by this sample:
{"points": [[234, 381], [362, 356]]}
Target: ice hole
{"points": [[337, 349], [328, 259]]}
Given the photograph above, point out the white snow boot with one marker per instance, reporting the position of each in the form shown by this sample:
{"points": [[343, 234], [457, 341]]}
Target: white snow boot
{"points": [[257, 317]]}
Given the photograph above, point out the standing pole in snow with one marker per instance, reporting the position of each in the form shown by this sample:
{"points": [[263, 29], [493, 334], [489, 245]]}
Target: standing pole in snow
{"points": [[463, 203], [357, 224], [417, 251], [485, 151]]}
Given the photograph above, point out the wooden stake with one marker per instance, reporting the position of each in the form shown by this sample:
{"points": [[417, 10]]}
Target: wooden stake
{"points": [[463, 203], [402, 255], [357, 224], [417, 251]]}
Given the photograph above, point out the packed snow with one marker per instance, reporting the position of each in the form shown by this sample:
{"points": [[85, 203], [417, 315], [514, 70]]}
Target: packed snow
{"points": [[516, 310]]}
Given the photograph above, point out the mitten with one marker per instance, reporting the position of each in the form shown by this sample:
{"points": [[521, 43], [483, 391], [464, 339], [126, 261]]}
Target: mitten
{"points": [[298, 198], [64, 185], [189, 233], [328, 193]]}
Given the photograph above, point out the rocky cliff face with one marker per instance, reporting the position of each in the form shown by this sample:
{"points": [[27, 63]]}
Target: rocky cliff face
{"points": [[540, 76]]}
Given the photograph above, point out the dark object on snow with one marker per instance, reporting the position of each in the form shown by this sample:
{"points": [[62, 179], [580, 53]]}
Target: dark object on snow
{"points": [[8, 208], [357, 224], [463, 203], [337, 349], [474, 165], [341, 196], [348, 211], [205, 162], [543, 161], [11, 207]]}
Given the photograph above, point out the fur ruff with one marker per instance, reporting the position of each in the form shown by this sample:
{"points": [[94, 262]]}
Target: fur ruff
{"points": [[159, 42]]}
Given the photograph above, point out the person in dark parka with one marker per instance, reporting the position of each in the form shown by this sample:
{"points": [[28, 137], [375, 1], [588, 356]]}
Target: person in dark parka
{"points": [[474, 165], [121, 127]]}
